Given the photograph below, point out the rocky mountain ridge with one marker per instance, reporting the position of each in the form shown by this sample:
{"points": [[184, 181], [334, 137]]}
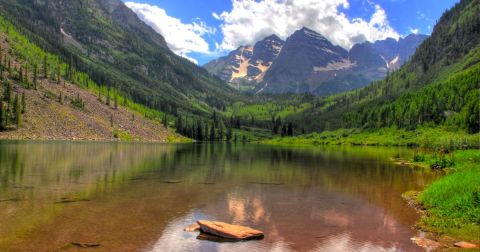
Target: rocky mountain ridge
{"points": [[308, 62]]}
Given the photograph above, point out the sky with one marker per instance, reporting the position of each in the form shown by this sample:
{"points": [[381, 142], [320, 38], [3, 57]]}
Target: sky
{"points": [[203, 30]]}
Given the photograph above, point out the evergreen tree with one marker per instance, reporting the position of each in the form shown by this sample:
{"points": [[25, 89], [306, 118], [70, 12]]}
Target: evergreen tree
{"points": [[58, 75], [26, 80], [179, 125], [290, 129], [115, 101], [237, 122], [35, 76], [7, 93], [221, 129], [212, 132], [108, 97], [229, 134], [165, 120], [215, 118], [20, 74], [17, 110], [199, 131], [24, 104], [284, 130], [45, 67], [3, 115]]}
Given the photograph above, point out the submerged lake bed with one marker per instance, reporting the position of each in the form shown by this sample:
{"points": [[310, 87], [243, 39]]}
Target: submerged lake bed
{"points": [[140, 196]]}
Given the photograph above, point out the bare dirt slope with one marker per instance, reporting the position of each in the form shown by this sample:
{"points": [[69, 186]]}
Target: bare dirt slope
{"points": [[49, 118]]}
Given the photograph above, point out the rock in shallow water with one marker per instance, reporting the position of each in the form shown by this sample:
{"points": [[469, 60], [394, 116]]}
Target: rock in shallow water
{"points": [[465, 245], [429, 245], [229, 231]]}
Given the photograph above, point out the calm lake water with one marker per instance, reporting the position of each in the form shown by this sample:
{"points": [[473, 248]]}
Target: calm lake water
{"points": [[121, 196]]}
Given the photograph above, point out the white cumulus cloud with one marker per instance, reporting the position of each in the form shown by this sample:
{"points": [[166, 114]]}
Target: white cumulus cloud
{"points": [[182, 38], [414, 30], [251, 20]]}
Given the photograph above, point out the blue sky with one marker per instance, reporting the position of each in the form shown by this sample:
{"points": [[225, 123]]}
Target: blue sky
{"points": [[198, 30]]}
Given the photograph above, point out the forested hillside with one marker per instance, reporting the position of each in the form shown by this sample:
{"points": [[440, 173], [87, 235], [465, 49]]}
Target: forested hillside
{"points": [[42, 97], [440, 85], [107, 41]]}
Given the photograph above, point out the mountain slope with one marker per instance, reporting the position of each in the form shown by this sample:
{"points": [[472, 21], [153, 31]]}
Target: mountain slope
{"points": [[108, 41], [308, 62], [439, 85], [35, 107], [304, 54], [247, 65]]}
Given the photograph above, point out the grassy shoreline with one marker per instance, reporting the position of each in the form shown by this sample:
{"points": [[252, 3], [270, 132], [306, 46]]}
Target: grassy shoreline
{"points": [[452, 203], [427, 137]]}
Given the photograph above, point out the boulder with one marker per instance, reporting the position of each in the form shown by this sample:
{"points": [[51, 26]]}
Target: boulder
{"points": [[429, 245], [465, 245], [229, 231]]}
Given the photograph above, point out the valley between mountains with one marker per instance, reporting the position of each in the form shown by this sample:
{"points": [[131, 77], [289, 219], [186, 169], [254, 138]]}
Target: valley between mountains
{"points": [[92, 70]]}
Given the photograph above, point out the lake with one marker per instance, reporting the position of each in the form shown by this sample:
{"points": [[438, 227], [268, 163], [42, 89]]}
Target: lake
{"points": [[140, 196]]}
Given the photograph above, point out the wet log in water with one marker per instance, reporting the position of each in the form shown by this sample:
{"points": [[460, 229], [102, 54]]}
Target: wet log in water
{"points": [[173, 181], [70, 200], [268, 183], [11, 199], [85, 245]]}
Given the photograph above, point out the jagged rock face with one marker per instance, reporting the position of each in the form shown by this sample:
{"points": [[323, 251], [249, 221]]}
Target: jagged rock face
{"points": [[366, 56], [247, 64], [233, 66], [306, 58], [264, 54], [396, 53], [308, 62]]}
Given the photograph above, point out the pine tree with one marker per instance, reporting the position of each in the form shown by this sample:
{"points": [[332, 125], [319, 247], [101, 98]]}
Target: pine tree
{"points": [[111, 120], [7, 93], [212, 132], [115, 101], [165, 120], [290, 129], [179, 125], [229, 134], [215, 118], [199, 132], [35, 76], [221, 127], [284, 130], [108, 97], [26, 80], [58, 75], [3, 115], [237, 122], [20, 74], [17, 111], [45, 67], [24, 104]]}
